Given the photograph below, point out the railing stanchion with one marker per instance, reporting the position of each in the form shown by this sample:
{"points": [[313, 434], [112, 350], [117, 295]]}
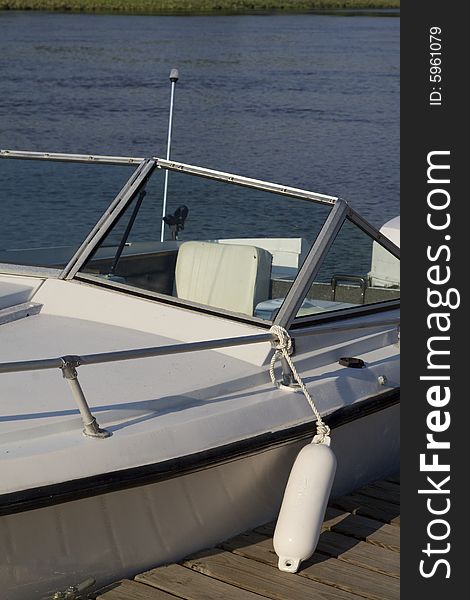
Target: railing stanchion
{"points": [[90, 424], [287, 375]]}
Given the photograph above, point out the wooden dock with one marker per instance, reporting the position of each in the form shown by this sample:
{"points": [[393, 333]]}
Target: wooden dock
{"points": [[357, 557]]}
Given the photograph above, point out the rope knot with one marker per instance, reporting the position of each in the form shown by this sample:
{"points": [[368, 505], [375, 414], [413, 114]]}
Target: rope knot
{"points": [[323, 429], [283, 341], [283, 348]]}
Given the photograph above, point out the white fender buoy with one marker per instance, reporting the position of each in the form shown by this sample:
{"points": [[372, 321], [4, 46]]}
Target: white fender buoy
{"points": [[304, 504]]}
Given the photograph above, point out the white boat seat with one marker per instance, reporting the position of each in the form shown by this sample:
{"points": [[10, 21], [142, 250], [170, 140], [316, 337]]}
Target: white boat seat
{"points": [[228, 276], [288, 253]]}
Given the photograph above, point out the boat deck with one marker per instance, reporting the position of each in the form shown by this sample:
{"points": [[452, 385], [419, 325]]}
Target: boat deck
{"points": [[357, 557]]}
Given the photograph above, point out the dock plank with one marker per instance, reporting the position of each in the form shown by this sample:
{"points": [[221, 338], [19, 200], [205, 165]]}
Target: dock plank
{"points": [[320, 568], [268, 528], [357, 526], [262, 578], [132, 590], [363, 528], [351, 577], [186, 583], [360, 553], [373, 508]]}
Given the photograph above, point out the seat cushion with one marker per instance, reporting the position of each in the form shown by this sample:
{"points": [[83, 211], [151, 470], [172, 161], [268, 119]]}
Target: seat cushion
{"points": [[228, 276]]}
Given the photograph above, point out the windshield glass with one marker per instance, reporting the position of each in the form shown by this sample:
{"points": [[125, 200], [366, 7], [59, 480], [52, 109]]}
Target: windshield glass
{"points": [[356, 271], [224, 246], [47, 208]]}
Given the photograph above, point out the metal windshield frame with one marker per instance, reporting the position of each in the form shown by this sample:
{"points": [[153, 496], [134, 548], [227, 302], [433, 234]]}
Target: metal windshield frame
{"points": [[340, 211]]}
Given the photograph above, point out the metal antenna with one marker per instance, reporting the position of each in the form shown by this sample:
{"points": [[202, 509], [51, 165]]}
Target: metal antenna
{"points": [[173, 78]]}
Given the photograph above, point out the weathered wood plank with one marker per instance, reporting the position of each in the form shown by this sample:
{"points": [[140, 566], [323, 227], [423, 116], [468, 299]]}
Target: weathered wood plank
{"points": [[268, 529], [262, 578], [363, 528], [359, 553], [185, 583], [358, 526], [330, 571], [383, 490], [132, 590], [369, 507], [352, 577]]}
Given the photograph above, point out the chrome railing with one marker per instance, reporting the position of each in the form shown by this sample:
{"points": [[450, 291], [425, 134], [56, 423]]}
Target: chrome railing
{"points": [[69, 364], [76, 158]]}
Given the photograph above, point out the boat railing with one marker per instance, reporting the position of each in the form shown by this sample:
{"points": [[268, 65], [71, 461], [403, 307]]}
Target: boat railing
{"points": [[68, 364], [76, 158]]}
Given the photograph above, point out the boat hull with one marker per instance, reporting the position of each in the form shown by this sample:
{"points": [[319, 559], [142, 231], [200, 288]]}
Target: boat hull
{"points": [[116, 534]]}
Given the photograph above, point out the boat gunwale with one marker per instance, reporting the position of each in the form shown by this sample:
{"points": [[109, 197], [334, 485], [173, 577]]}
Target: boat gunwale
{"points": [[114, 481], [59, 362]]}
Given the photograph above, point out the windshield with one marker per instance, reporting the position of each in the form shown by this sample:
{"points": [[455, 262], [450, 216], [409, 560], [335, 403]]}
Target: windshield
{"points": [[47, 208], [223, 246], [187, 235], [235, 248]]}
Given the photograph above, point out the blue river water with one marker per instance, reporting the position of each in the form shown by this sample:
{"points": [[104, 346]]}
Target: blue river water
{"points": [[309, 101]]}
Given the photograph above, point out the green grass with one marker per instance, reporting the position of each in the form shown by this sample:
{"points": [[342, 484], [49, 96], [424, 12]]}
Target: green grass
{"points": [[149, 7]]}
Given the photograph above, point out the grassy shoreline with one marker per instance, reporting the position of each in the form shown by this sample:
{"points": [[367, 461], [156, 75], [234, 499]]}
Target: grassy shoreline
{"points": [[155, 7]]}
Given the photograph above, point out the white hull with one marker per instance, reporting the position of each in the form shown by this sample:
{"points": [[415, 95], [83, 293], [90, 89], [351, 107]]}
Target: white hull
{"points": [[118, 534]]}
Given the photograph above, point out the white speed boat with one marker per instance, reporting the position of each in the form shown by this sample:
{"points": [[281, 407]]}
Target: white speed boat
{"points": [[139, 422]]}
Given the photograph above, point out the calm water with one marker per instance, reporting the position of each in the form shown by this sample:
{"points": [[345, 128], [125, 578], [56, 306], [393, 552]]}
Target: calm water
{"points": [[310, 101]]}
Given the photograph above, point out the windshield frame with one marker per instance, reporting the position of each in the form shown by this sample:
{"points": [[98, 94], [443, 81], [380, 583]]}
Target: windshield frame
{"points": [[340, 211]]}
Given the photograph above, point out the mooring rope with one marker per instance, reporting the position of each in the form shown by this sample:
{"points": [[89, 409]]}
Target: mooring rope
{"points": [[284, 349]]}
